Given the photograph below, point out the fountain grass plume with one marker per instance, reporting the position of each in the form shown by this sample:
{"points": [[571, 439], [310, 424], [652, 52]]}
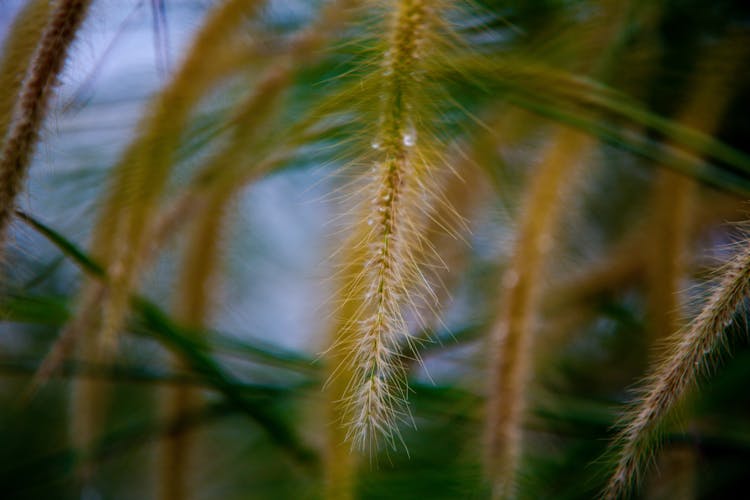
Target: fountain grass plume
{"points": [[17, 51], [393, 198], [512, 333], [690, 354], [34, 94], [124, 226], [213, 191], [690, 350]]}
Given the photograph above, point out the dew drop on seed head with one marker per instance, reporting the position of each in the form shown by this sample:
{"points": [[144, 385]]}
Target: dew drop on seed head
{"points": [[409, 139], [375, 144], [370, 222]]}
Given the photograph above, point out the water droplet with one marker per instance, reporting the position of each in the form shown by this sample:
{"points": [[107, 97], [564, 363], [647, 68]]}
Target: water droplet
{"points": [[409, 139], [375, 144], [370, 222]]}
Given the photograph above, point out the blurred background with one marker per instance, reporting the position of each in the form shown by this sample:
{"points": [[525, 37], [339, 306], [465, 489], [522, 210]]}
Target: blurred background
{"points": [[638, 196]]}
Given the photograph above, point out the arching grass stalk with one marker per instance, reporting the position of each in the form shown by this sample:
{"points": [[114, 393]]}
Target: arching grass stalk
{"points": [[513, 331], [386, 279], [33, 98], [198, 272], [690, 354], [192, 309], [674, 196], [123, 228], [139, 179], [512, 334], [245, 158], [673, 199], [671, 222]]}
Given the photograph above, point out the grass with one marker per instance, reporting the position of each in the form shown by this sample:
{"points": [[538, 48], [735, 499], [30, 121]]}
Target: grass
{"points": [[522, 288]]}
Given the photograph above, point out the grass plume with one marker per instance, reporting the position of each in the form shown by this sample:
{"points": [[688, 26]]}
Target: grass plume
{"points": [[215, 188], [124, 227], [386, 277], [17, 51], [34, 94], [678, 369], [141, 175], [692, 346], [511, 336], [513, 330]]}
